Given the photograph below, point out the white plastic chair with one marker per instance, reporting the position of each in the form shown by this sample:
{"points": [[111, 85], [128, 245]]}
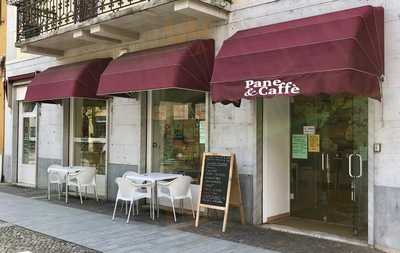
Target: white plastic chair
{"points": [[86, 177], [55, 177], [178, 189], [130, 192], [131, 173]]}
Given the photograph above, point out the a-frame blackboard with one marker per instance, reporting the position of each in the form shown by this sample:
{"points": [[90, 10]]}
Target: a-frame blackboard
{"points": [[219, 185]]}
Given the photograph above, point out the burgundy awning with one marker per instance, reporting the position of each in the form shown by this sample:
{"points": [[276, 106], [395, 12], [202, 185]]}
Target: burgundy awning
{"points": [[335, 53], [187, 66], [73, 80]]}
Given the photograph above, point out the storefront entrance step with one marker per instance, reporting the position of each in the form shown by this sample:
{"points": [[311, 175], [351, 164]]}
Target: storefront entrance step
{"points": [[315, 234]]}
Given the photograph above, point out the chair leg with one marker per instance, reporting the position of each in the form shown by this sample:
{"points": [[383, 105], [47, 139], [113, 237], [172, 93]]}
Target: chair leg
{"points": [[115, 209], [126, 207], [151, 207], [95, 193], [85, 192], [48, 190], [158, 208], [80, 195], [66, 193], [173, 208], [137, 207], [59, 191], [129, 213], [181, 206], [191, 202]]}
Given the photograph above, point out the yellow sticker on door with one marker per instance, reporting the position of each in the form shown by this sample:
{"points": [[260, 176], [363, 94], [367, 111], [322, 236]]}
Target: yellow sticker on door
{"points": [[313, 143]]}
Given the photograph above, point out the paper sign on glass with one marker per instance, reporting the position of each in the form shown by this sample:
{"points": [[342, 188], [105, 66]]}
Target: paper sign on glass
{"points": [[299, 146], [202, 132], [181, 112], [313, 143], [308, 129], [200, 111]]}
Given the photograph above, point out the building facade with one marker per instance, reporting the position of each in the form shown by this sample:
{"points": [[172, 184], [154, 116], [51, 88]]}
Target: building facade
{"points": [[3, 44], [297, 156]]}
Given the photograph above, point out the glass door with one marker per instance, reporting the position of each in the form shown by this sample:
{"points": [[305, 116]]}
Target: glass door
{"points": [[329, 181], [27, 143]]}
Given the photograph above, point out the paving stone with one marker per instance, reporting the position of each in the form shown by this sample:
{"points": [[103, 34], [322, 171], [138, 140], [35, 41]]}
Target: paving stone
{"points": [[90, 225]]}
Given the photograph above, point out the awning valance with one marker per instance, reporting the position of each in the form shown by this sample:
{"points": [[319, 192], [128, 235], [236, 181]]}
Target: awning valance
{"points": [[335, 53], [72, 80], [187, 66]]}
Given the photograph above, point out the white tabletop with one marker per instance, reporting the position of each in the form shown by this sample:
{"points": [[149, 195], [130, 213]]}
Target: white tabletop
{"points": [[153, 177], [63, 169]]}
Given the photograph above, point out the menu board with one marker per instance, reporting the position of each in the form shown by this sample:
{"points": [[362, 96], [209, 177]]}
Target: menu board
{"points": [[220, 186], [215, 180]]}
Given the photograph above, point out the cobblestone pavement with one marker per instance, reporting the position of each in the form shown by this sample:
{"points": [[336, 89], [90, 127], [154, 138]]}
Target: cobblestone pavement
{"points": [[15, 239]]}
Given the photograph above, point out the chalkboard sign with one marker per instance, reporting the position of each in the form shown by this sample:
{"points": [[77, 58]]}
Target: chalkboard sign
{"points": [[219, 185], [215, 180]]}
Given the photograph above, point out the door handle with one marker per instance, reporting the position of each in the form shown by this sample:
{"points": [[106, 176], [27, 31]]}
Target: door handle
{"points": [[323, 161], [361, 168], [350, 166], [328, 169], [328, 166]]}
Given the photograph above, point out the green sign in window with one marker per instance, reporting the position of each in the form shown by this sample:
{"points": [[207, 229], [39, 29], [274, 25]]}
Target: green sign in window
{"points": [[299, 146]]}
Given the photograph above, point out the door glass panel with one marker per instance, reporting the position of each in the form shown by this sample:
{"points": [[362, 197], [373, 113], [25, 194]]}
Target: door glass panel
{"points": [[360, 175], [90, 128], [179, 131], [29, 133], [321, 184]]}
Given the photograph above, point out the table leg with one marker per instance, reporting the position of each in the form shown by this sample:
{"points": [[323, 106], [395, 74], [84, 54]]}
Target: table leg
{"points": [[158, 205], [66, 189], [48, 187], [153, 203]]}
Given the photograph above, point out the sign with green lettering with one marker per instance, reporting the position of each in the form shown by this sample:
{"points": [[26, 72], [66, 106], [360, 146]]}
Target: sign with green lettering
{"points": [[299, 146]]}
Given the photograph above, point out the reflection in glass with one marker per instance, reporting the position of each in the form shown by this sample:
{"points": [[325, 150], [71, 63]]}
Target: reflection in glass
{"points": [[179, 131], [89, 140]]}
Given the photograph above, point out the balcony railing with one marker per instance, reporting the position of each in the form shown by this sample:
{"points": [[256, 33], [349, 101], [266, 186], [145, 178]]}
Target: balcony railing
{"points": [[36, 17]]}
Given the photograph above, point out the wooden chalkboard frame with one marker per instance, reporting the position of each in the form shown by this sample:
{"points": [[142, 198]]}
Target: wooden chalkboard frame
{"points": [[233, 193]]}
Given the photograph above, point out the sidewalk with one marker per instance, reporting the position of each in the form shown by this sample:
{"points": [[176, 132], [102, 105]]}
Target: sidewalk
{"points": [[98, 232], [90, 226]]}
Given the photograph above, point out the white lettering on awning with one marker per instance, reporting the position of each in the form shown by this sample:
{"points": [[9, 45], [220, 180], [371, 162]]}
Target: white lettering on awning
{"points": [[270, 88]]}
